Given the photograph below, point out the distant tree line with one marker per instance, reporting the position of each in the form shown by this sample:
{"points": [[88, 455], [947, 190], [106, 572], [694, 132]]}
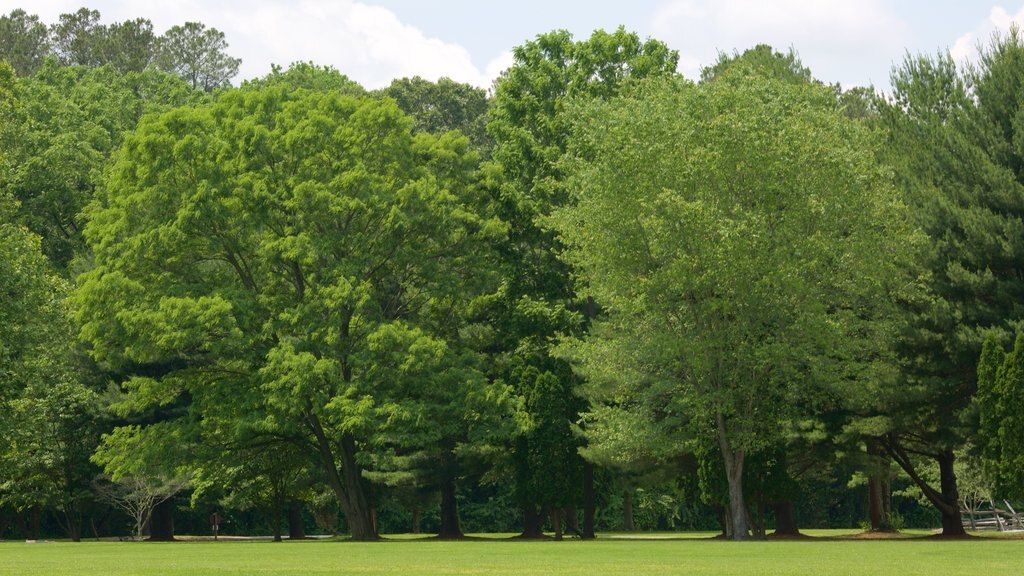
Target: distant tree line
{"points": [[599, 296]]}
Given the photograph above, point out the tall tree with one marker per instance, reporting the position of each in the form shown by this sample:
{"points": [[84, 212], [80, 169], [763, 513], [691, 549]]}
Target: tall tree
{"points": [[1000, 396], [197, 54], [730, 230], [953, 139], [24, 41], [260, 247], [528, 121], [438, 107], [78, 38]]}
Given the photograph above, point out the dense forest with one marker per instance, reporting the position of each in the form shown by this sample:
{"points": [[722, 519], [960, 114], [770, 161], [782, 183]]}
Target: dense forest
{"points": [[599, 296]]}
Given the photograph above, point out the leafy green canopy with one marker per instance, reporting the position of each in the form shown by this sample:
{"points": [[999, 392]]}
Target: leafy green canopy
{"points": [[286, 257], [736, 233]]}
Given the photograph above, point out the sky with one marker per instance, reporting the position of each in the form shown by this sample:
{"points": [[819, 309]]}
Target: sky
{"points": [[852, 42]]}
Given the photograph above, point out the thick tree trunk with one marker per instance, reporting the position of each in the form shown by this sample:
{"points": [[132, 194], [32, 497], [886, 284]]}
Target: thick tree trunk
{"points": [[349, 486], [785, 519], [416, 520], [450, 527], [627, 511], [739, 524], [589, 501], [556, 520], [533, 522], [296, 527], [878, 490], [358, 512], [952, 521], [947, 499], [876, 505], [161, 522]]}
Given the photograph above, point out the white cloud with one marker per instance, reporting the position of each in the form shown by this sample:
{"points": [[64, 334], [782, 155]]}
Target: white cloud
{"points": [[966, 47], [837, 39], [368, 43]]}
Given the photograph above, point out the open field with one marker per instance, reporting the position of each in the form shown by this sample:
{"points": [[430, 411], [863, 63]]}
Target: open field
{"points": [[606, 556]]}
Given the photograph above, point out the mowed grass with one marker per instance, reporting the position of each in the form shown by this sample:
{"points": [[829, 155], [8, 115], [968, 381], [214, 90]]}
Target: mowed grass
{"points": [[905, 557]]}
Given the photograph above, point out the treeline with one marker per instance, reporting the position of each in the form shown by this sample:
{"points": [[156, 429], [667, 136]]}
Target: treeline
{"points": [[599, 296]]}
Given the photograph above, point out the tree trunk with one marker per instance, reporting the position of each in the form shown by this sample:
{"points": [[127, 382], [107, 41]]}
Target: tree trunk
{"points": [[737, 510], [952, 521], [416, 520], [450, 528], [878, 489], [589, 502], [533, 522], [627, 511], [349, 486], [785, 519], [296, 527], [876, 505], [947, 499], [556, 520], [358, 512], [161, 522], [572, 522]]}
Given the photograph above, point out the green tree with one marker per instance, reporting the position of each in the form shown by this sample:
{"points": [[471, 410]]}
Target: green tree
{"points": [[128, 46], [729, 229], [1000, 396], [953, 141], [197, 54], [438, 107], [783, 67], [24, 41], [78, 38], [258, 247], [529, 122]]}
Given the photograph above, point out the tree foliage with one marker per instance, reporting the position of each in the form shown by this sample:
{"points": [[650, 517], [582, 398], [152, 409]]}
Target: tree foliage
{"points": [[732, 231]]}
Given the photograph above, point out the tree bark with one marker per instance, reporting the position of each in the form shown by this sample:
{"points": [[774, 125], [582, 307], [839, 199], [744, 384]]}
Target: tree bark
{"points": [[556, 520], [785, 518], [878, 496], [739, 524], [348, 486], [952, 521], [416, 520], [161, 522], [627, 511], [589, 502], [296, 527], [533, 522], [947, 499], [450, 528], [358, 512]]}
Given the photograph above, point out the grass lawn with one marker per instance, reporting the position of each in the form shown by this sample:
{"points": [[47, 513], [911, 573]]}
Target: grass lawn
{"points": [[607, 556]]}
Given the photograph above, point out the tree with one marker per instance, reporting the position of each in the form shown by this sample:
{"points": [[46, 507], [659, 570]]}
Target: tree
{"points": [[139, 496], [78, 38], [1000, 396], [528, 121], [259, 247], [196, 54], [24, 41], [783, 67], [438, 107], [952, 142], [731, 230], [128, 46]]}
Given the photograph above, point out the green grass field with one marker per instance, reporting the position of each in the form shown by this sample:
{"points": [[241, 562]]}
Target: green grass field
{"points": [[606, 556]]}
